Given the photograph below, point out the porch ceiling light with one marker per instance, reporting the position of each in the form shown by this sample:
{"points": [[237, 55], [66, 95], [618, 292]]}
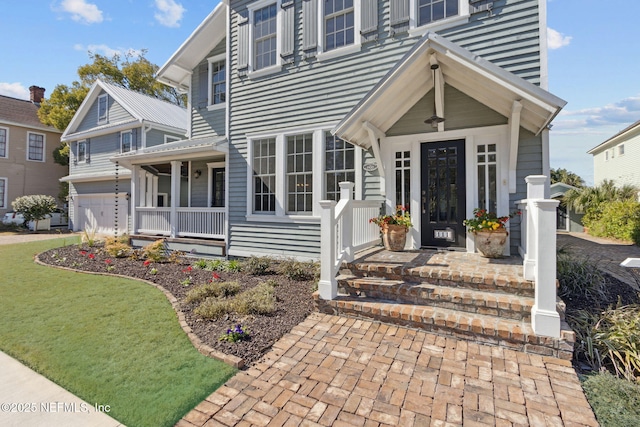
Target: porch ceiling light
{"points": [[434, 120]]}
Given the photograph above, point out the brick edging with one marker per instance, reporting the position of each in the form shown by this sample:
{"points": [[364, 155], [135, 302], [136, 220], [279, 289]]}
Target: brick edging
{"points": [[203, 348]]}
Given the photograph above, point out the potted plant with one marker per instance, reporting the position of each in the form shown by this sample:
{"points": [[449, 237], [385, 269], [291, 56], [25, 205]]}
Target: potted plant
{"points": [[490, 231], [394, 228]]}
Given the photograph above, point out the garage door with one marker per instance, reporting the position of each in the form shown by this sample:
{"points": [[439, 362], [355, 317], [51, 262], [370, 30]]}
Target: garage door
{"points": [[98, 213]]}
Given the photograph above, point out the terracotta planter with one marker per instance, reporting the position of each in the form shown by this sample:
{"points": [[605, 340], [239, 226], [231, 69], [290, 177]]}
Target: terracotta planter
{"points": [[491, 244], [394, 237]]}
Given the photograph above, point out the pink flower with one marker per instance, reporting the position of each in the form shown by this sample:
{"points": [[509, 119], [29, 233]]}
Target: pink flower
{"points": [[187, 270], [83, 253], [92, 256], [146, 263], [216, 276]]}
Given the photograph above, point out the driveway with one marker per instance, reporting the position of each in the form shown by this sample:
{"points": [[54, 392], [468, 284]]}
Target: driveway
{"points": [[10, 237]]}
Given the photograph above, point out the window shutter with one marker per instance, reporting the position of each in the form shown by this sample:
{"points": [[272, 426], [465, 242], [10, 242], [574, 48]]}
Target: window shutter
{"points": [[243, 41], [288, 28], [309, 24], [203, 85], [369, 16], [87, 149], [399, 11]]}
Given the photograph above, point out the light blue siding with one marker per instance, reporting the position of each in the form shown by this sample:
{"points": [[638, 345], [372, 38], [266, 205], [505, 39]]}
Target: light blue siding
{"points": [[116, 114], [206, 122]]}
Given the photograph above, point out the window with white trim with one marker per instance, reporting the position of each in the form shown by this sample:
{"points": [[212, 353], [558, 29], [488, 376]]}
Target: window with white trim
{"points": [[264, 175], [299, 175], [3, 193], [36, 145], [435, 10], [339, 165], [126, 141], [403, 179], [217, 83], [4, 152], [103, 108], [82, 152], [487, 173], [339, 23], [265, 37], [621, 149]]}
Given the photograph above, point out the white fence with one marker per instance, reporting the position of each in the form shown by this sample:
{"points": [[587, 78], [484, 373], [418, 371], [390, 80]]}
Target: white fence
{"points": [[190, 222]]}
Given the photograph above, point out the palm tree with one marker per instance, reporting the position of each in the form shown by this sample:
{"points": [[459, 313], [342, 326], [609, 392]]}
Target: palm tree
{"points": [[567, 177], [590, 198]]}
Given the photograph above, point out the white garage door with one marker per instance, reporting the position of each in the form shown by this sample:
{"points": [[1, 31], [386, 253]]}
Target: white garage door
{"points": [[97, 213]]}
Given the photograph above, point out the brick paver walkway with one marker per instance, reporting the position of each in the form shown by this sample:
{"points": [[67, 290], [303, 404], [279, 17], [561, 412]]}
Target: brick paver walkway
{"points": [[337, 371]]}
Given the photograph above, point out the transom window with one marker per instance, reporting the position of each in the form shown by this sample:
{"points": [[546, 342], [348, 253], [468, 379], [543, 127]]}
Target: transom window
{"points": [[265, 36], [264, 175], [3, 142], [338, 23], [126, 139], [36, 147], [487, 177], [436, 10], [218, 83], [339, 165], [103, 108], [300, 173], [82, 151]]}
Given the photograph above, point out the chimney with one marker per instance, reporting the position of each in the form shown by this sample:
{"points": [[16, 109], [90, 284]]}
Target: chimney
{"points": [[37, 94]]}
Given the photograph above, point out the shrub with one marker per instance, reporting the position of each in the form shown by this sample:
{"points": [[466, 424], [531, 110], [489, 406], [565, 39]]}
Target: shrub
{"points": [[617, 336], [213, 289], [257, 266], [213, 308], [175, 257], [117, 246], [34, 207], [200, 264], [615, 402], [298, 270], [155, 251], [580, 277], [89, 237], [232, 266], [215, 265], [618, 219], [258, 300]]}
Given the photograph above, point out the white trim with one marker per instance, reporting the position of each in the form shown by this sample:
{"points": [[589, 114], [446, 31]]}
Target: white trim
{"points": [[44, 147], [419, 30], [210, 167], [78, 161], [6, 190], [210, 61], [6, 143], [105, 119], [544, 46], [131, 147], [256, 251], [172, 138], [253, 73], [322, 54]]}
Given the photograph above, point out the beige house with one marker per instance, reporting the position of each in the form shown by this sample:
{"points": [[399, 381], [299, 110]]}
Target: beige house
{"points": [[26, 147]]}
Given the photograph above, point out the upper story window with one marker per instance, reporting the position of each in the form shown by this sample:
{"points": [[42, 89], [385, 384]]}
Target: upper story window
{"points": [[3, 143], [606, 155], [35, 149], [218, 90], [103, 108], [339, 23], [3, 193], [436, 10], [620, 149], [265, 38], [126, 141], [82, 151]]}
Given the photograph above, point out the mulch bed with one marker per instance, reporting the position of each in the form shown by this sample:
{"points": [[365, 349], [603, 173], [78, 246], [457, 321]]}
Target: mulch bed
{"points": [[293, 298]]}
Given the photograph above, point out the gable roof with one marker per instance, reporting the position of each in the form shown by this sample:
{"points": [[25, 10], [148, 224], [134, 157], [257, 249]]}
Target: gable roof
{"points": [[557, 189], [410, 79], [143, 108], [19, 112], [623, 135], [176, 72]]}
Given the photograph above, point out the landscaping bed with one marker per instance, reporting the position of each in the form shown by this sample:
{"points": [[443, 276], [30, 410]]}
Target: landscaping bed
{"points": [[179, 275]]}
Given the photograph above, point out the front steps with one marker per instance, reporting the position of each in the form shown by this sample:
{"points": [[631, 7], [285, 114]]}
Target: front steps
{"points": [[447, 299]]}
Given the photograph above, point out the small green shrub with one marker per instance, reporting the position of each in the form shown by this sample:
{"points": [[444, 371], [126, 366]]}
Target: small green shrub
{"points": [[213, 308], [618, 219], [232, 266], [615, 402], [117, 246], [175, 257], [89, 237], [258, 300], [617, 336], [213, 289], [298, 270], [215, 265], [155, 251], [579, 276], [257, 266], [200, 264]]}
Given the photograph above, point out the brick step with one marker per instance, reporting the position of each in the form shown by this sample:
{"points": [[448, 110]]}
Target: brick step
{"points": [[480, 280], [507, 333], [467, 300]]}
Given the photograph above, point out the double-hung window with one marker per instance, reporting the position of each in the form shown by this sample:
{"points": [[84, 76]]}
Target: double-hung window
{"points": [[339, 165], [339, 24], [218, 83], [3, 193], [3, 143], [299, 175], [436, 10], [103, 108], [265, 37], [35, 150], [126, 141], [264, 175], [82, 151]]}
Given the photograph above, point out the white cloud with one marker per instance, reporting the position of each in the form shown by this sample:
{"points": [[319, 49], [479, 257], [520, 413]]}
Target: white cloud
{"points": [[169, 13], [623, 112], [556, 40], [14, 90], [108, 51], [81, 11]]}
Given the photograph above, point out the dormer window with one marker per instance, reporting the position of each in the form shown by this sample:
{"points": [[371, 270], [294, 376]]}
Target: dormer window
{"points": [[103, 108]]}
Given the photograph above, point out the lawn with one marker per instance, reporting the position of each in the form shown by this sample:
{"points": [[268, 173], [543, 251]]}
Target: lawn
{"points": [[108, 340]]}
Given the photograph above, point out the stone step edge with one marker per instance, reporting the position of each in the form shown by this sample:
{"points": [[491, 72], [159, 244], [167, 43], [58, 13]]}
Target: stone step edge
{"points": [[516, 334]]}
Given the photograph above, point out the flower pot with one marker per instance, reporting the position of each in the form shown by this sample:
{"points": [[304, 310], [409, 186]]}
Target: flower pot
{"points": [[394, 237], [491, 244]]}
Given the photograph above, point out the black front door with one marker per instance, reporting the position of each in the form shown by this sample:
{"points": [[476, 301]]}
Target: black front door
{"points": [[443, 193]]}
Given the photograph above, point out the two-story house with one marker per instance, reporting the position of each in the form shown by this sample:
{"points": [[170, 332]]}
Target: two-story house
{"points": [[437, 105], [27, 165], [618, 158], [113, 121]]}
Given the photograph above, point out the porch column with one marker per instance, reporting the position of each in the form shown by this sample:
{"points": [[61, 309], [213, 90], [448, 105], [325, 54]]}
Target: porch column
{"points": [[346, 192], [135, 170], [175, 197], [535, 190], [327, 285]]}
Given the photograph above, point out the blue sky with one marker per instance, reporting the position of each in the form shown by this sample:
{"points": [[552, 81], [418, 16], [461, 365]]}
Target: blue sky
{"points": [[593, 56]]}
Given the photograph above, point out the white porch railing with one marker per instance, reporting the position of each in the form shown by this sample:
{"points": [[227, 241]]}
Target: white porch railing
{"points": [[538, 251], [345, 229], [191, 222]]}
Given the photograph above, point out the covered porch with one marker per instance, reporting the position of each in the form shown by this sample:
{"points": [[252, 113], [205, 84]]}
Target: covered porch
{"points": [[178, 189]]}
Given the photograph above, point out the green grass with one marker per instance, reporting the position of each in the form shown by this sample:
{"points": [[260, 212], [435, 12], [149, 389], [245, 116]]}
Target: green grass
{"points": [[109, 340]]}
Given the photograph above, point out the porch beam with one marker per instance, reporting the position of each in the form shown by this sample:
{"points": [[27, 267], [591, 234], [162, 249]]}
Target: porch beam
{"points": [[514, 136], [374, 135]]}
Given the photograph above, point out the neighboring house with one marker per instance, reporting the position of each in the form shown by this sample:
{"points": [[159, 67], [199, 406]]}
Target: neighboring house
{"points": [[114, 121], [567, 218], [443, 105], [26, 147], [618, 158]]}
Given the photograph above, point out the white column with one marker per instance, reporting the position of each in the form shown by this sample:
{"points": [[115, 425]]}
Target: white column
{"points": [[175, 196], [545, 319], [328, 285], [154, 193], [346, 192], [149, 188], [535, 190], [133, 199]]}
